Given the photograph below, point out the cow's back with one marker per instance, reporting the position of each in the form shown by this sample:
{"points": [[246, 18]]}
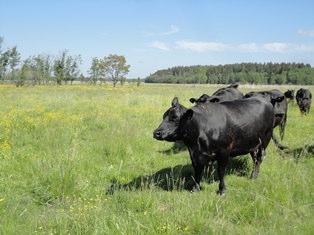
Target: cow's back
{"points": [[237, 126], [228, 94], [250, 122]]}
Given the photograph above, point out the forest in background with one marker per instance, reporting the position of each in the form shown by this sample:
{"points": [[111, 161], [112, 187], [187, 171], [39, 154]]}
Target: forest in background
{"points": [[66, 68], [252, 73]]}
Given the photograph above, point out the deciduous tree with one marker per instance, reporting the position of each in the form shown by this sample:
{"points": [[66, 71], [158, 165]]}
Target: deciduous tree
{"points": [[115, 67]]}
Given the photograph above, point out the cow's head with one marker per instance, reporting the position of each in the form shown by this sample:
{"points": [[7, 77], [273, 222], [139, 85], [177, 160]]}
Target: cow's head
{"points": [[300, 93], [289, 94], [169, 127], [303, 95], [276, 99]]}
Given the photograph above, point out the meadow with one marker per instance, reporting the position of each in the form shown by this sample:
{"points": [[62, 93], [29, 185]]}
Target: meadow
{"points": [[82, 160]]}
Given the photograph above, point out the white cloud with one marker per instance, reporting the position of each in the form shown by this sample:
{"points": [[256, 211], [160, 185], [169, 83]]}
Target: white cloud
{"points": [[251, 47], [277, 46], [308, 33], [284, 47], [160, 45], [247, 47], [173, 29], [304, 47], [201, 46]]}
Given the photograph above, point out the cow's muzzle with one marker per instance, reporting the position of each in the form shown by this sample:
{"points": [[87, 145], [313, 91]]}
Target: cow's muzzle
{"points": [[157, 135]]}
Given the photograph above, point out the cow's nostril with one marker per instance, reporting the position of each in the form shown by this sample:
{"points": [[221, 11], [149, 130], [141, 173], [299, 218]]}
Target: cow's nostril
{"points": [[157, 134]]}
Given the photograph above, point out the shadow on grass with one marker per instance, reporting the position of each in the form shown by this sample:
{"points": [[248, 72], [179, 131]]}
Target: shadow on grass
{"points": [[305, 151], [176, 148], [180, 177]]}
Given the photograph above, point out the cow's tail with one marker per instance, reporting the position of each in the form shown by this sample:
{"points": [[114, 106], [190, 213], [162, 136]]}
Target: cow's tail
{"points": [[277, 143], [282, 127]]}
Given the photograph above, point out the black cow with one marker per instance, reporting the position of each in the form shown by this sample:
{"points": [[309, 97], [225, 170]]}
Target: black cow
{"points": [[280, 110], [289, 94], [218, 131], [304, 100], [223, 94]]}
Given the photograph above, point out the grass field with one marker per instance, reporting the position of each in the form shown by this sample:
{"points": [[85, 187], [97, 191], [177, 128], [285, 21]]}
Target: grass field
{"points": [[82, 160]]}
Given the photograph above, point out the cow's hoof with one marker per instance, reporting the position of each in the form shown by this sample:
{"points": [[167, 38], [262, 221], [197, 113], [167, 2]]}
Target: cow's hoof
{"points": [[253, 177], [195, 189], [221, 192]]}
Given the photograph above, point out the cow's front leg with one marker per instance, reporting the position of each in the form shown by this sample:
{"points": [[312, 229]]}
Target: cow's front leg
{"points": [[198, 173], [222, 161], [198, 161]]}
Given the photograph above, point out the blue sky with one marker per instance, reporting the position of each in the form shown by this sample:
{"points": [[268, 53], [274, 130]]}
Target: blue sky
{"points": [[160, 34]]}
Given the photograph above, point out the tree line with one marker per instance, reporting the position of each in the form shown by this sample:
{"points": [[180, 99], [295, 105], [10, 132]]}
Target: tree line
{"points": [[65, 68], [62, 69], [257, 73]]}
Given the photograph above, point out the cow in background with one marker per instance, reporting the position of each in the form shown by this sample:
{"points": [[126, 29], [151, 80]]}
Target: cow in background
{"points": [[223, 94], [289, 94], [280, 110], [304, 100]]}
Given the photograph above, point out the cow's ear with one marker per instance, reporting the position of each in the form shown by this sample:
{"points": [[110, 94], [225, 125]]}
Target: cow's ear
{"points": [[188, 114], [234, 85], [214, 100], [248, 95], [204, 98], [277, 99], [174, 102], [192, 100]]}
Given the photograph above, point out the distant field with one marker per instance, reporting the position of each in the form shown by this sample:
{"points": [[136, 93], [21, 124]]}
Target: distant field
{"points": [[81, 160]]}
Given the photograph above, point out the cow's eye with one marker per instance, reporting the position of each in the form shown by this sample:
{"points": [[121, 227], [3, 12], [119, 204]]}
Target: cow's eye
{"points": [[173, 117]]}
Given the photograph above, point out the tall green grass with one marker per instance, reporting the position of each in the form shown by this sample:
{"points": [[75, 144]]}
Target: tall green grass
{"points": [[82, 160]]}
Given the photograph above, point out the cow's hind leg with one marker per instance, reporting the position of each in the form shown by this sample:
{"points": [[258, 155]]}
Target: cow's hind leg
{"points": [[257, 157], [222, 161]]}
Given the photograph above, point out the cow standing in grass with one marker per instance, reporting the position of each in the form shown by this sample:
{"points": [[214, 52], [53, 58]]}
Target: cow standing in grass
{"points": [[280, 110], [218, 131], [304, 100]]}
